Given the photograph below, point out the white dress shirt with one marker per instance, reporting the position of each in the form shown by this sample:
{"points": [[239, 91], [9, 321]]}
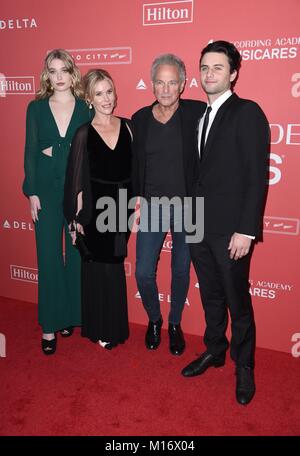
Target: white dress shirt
{"points": [[214, 109]]}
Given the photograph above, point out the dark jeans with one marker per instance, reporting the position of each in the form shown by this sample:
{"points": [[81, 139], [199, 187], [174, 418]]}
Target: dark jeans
{"points": [[148, 248]]}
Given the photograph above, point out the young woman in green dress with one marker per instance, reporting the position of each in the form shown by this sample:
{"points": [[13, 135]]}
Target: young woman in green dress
{"points": [[52, 119]]}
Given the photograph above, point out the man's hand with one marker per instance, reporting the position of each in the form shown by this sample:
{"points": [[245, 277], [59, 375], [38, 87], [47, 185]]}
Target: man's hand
{"points": [[239, 246]]}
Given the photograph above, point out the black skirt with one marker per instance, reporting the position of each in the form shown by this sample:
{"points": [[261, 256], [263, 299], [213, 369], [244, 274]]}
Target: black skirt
{"points": [[104, 302]]}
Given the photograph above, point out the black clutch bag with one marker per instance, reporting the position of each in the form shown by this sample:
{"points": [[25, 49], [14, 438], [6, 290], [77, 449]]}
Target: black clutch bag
{"points": [[82, 248]]}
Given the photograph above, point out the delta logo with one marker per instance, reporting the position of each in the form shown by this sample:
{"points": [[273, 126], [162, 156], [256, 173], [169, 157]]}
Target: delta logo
{"points": [[141, 85], [17, 225], [178, 12]]}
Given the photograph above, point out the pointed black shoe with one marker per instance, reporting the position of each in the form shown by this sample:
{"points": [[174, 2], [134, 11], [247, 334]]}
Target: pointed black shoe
{"points": [[177, 342], [67, 332], [49, 346], [152, 339], [201, 364], [245, 385]]}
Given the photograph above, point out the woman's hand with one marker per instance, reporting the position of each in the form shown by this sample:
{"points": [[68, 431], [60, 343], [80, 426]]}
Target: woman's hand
{"points": [[73, 227], [35, 207], [80, 228]]}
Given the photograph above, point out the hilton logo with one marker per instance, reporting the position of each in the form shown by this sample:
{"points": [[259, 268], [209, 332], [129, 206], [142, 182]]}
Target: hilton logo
{"points": [[281, 225], [16, 85], [177, 12], [102, 56], [23, 274]]}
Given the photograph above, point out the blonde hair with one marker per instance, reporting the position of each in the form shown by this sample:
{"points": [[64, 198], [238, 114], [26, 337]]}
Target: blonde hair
{"points": [[91, 79], [46, 89]]}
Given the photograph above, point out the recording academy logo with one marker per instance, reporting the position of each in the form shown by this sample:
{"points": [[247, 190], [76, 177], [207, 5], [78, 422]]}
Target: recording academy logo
{"points": [[102, 56], [141, 85], [177, 12], [281, 225], [23, 274], [16, 85], [280, 48], [267, 289], [26, 23]]}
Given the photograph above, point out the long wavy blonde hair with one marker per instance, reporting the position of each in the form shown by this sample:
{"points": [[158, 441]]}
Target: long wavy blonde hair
{"points": [[46, 89]]}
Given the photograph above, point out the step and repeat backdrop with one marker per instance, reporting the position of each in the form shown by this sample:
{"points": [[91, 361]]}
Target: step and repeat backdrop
{"points": [[124, 36]]}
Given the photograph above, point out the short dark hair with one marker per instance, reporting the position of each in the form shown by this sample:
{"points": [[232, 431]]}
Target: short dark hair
{"points": [[234, 57]]}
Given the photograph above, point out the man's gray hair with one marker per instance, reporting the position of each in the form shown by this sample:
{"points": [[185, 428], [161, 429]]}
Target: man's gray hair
{"points": [[168, 59]]}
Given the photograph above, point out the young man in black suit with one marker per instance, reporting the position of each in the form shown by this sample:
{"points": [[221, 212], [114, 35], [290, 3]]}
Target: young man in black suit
{"points": [[233, 141]]}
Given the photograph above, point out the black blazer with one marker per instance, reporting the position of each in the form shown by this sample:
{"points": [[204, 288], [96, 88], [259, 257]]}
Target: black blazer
{"points": [[233, 173], [190, 111]]}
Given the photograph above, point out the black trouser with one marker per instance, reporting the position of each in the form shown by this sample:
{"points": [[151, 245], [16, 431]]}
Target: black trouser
{"points": [[224, 285]]}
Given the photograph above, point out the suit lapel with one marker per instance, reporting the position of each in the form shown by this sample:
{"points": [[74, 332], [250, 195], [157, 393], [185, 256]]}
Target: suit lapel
{"points": [[215, 126], [189, 140]]}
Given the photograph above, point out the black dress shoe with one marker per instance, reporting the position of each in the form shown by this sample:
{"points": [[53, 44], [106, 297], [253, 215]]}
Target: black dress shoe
{"points": [[67, 332], [245, 386], [152, 339], [201, 364], [177, 343], [49, 346]]}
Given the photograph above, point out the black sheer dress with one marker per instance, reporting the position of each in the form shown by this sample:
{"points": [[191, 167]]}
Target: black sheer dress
{"points": [[99, 171]]}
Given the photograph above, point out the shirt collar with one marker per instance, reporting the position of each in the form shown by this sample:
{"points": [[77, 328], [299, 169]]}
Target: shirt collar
{"points": [[220, 100]]}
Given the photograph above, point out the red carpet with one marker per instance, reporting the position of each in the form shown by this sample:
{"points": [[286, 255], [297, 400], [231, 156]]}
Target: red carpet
{"points": [[86, 390]]}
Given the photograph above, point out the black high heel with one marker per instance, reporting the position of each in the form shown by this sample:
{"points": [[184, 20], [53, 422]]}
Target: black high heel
{"points": [[67, 332], [49, 346]]}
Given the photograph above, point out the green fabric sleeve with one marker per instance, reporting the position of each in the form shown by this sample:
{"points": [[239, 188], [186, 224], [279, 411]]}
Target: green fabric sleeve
{"points": [[31, 150]]}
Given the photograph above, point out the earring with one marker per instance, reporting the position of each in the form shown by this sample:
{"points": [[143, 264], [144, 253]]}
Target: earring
{"points": [[90, 106]]}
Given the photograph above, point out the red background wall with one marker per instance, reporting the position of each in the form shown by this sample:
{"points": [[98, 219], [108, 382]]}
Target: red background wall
{"points": [[121, 36]]}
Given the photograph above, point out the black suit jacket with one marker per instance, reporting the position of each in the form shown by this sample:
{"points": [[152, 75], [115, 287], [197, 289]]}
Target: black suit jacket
{"points": [[233, 173], [190, 111]]}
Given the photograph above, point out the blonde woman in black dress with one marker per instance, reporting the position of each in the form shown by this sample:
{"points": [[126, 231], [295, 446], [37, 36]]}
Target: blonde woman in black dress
{"points": [[99, 166]]}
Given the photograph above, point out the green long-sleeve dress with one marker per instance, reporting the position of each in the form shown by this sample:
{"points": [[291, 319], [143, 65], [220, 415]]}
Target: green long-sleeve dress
{"points": [[59, 275]]}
